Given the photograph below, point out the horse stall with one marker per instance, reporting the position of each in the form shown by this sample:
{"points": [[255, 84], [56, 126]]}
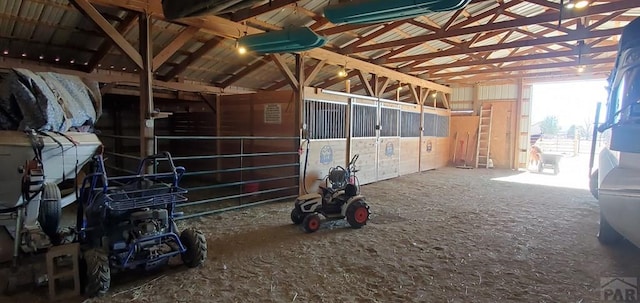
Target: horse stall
{"points": [[409, 139], [325, 120], [435, 143], [389, 140]]}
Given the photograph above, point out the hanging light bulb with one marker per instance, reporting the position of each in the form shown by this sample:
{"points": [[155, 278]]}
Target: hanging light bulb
{"points": [[581, 68], [5, 52], [241, 49], [434, 95], [582, 4], [57, 59], [24, 54], [342, 73], [399, 87], [41, 57], [72, 61]]}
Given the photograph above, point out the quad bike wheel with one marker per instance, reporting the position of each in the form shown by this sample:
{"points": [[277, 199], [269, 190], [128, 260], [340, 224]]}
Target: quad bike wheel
{"points": [[311, 223], [50, 211], [297, 216], [358, 214], [196, 245], [607, 235], [98, 273]]}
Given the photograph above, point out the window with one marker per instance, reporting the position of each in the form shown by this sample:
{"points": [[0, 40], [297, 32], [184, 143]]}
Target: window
{"points": [[430, 125], [442, 130], [325, 120], [389, 122], [364, 121], [410, 126]]}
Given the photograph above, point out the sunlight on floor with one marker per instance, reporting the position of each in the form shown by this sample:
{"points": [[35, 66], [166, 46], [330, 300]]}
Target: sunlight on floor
{"points": [[573, 174]]}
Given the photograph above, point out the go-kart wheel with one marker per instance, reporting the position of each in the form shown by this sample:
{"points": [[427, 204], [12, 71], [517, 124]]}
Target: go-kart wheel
{"points": [[311, 223], [297, 216], [195, 243], [50, 211], [98, 274], [358, 214]]}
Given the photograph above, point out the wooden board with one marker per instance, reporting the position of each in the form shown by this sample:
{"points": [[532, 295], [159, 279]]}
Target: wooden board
{"points": [[429, 151], [323, 155], [443, 146], [367, 162], [388, 158], [409, 150]]}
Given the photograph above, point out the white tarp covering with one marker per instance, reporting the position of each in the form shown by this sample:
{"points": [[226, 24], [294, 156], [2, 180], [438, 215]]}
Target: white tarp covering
{"points": [[48, 102]]}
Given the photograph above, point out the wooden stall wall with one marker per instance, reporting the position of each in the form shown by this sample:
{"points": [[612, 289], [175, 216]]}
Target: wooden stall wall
{"points": [[364, 139], [389, 140], [443, 143], [428, 141], [325, 118], [264, 114], [410, 139]]}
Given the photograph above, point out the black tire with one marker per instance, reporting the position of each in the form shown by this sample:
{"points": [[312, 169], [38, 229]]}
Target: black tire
{"points": [[50, 211], [297, 216], [311, 223], [98, 274], [607, 235], [358, 214], [593, 184], [195, 243]]}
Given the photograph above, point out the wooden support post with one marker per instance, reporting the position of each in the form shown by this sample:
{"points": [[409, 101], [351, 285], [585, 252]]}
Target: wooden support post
{"points": [[347, 86], [414, 93], [288, 75], [218, 134], [517, 117], [476, 99], [147, 146], [375, 85], [299, 104], [365, 83]]}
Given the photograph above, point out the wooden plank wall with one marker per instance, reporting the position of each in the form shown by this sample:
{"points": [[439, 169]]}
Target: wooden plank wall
{"points": [[388, 158], [466, 146], [380, 157], [244, 115]]}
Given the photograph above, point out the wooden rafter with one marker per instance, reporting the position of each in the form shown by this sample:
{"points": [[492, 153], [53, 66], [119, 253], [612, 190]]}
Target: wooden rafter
{"points": [[174, 46], [377, 33], [515, 44], [543, 18], [526, 67], [310, 75], [249, 13], [94, 15], [129, 22], [365, 83], [205, 48], [522, 58], [289, 76], [246, 71]]}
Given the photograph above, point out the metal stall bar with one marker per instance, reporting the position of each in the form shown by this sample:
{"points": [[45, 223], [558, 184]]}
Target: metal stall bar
{"points": [[252, 168]]}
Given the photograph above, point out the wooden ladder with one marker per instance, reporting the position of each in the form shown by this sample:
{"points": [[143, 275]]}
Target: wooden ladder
{"points": [[484, 136]]}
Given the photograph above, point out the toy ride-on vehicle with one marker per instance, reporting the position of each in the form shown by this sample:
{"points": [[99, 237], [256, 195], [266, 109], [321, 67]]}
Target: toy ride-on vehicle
{"points": [[127, 222], [338, 198]]}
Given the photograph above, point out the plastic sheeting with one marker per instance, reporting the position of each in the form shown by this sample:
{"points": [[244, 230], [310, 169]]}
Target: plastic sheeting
{"points": [[48, 102]]}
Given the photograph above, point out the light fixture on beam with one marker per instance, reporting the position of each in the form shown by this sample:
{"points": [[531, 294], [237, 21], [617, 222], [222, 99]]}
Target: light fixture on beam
{"points": [[342, 73], [5, 52], [434, 95], [240, 48], [581, 68], [571, 4]]}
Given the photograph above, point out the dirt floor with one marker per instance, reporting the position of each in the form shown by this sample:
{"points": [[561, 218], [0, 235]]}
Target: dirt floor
{"points": [[450, 235]]}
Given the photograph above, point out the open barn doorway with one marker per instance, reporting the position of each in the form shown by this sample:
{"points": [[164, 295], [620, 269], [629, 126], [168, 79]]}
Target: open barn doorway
{"points": [[561, 121]]}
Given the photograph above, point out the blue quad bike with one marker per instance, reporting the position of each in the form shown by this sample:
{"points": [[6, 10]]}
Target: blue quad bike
{"points": [[338, 198], [127, 222]]}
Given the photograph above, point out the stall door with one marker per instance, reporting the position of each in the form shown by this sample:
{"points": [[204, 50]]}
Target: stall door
{"points": [[388, 140], [364, 139]]}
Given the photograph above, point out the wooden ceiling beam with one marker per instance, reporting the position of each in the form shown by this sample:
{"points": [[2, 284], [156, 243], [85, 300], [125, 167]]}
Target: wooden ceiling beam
{"points": [[289, 76], [246, 71], [129, 22], [365, 83], [249, 13], [581, 35], [310, 75], [538, 19], [605, 19], [178, 42], [182, 66], [385, 29], [335, 80], [229, 29], [545, 3], [94, 15], [527, 67]]}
